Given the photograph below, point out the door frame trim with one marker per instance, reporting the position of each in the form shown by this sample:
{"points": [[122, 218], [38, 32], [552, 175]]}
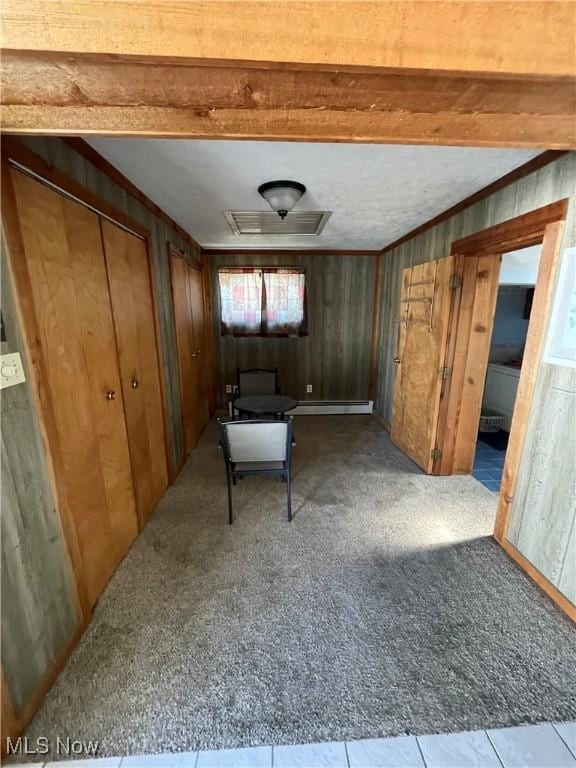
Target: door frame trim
{"points": [[543, 225]]}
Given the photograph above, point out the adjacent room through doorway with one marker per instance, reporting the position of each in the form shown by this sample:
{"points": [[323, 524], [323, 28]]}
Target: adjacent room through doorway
{"points": [[516, 281]]}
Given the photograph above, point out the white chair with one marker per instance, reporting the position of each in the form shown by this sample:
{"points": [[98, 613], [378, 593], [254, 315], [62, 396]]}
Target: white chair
{"points": [[256, 447]]}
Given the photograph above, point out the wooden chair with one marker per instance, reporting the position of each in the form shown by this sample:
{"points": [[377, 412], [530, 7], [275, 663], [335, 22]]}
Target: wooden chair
{"points": [[257, 447]]}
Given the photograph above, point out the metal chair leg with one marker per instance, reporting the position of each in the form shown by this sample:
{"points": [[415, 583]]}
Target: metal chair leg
{"points": [[230, 514], [289, 489]]}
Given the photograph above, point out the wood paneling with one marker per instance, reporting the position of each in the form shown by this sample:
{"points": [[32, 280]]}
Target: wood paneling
{"points": [[540, 486], [335, 356], [61, 94], [459, 36], [131, 296], [39, 613], [543, 536]]}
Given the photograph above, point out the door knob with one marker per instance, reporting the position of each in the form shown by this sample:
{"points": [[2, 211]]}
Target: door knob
{"points": [[110, 395], [397, 360], [135, 383]]}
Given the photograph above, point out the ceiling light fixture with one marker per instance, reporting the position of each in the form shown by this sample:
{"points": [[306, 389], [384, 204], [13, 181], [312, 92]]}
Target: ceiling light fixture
{"points": [[282, 196]]}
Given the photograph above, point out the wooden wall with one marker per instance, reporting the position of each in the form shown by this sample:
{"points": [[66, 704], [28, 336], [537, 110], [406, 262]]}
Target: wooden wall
{"points": [[335, 356], [38, 595], [38, 606], [543, 516]]}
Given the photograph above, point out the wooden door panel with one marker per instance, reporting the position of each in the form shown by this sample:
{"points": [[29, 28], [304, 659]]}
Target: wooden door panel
{"points": [[133, 312], [200, 358], [425, 312], [149, 373], [185, 343], [65, 262]]}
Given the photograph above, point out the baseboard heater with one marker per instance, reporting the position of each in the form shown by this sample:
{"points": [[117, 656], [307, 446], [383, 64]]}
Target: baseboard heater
{"points": [[327, 407]]}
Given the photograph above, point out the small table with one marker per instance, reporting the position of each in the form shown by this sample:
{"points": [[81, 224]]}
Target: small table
{"points": [[265, 405]]}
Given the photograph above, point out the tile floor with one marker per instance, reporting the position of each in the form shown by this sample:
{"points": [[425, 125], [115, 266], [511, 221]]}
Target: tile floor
{"points": [[530, 746], [488, 465]]}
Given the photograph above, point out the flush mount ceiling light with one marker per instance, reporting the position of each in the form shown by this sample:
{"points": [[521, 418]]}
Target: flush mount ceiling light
{"points": [[282, 196]]}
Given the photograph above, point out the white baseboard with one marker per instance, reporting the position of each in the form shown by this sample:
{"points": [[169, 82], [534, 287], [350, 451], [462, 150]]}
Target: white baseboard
{"points": [[326, 407]]}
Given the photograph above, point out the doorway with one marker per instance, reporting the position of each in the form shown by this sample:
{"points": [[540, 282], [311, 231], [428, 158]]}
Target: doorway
{"points": [[516, 284]]}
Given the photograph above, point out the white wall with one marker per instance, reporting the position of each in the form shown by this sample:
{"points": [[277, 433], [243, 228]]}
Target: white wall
{"points": [[520, 267]]}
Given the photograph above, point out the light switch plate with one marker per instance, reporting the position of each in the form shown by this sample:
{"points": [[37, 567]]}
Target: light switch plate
{"points": [[11, 370]]}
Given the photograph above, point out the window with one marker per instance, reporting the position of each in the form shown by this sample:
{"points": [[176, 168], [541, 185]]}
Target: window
{"points": [[262, 302]]}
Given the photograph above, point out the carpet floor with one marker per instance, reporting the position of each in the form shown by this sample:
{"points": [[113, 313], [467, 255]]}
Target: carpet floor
{"points": [[384, 608]]}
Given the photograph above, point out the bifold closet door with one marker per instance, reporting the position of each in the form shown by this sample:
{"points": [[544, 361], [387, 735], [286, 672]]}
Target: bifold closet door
{"points": [[67, 270], [133, 311]]}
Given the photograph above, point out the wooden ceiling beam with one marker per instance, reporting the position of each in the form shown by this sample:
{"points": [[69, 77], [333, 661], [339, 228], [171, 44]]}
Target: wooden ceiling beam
{"points": [[491, 36], [71, 94]]}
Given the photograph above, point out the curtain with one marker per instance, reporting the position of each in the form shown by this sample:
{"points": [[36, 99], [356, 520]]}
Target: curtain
{"points": [[283, 305], [262, 302], [241, 301]]}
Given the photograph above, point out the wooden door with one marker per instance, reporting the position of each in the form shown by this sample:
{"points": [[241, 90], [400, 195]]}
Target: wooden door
{"points": [[133, 311], [187, 290], [200, 353], [425, 313], [65, 261], [186, 346]]}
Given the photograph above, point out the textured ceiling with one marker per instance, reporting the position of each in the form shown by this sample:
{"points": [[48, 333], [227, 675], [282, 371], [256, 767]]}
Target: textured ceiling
{"points": [[377, 192]]}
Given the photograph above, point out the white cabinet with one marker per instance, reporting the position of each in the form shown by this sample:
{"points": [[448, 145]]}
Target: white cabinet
{"points": [[500, 391]]}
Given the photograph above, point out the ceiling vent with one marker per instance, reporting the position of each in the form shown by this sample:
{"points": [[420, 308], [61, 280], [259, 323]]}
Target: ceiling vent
{"points": [[269, 223]]}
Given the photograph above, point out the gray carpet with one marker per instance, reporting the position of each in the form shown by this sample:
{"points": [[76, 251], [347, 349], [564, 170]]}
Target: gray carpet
{"points": [[384, 608]]}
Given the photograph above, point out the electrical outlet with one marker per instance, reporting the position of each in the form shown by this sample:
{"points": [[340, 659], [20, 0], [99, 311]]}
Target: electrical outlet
{"points": [[228, 389], [308, 389]]}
